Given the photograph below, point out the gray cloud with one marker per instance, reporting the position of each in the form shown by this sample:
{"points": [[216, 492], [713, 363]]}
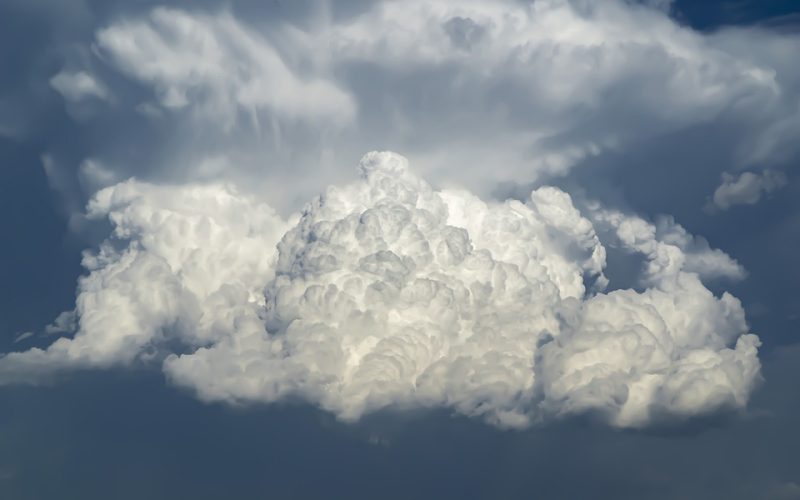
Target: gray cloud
{"points": [[746, 189], [78, 86]]}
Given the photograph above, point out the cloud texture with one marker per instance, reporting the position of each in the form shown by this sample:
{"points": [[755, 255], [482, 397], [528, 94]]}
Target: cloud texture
{"points": [[533, 88], [388, 293], [219, 66]]}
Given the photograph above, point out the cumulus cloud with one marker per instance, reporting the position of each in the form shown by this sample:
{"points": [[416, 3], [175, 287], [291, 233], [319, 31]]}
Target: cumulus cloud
{"points": [[745, 189], [387, 293], [175, 255]]}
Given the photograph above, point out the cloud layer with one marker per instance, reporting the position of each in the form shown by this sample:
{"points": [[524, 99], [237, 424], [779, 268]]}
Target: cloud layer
{"points": [[388, 293], [532, 88]]}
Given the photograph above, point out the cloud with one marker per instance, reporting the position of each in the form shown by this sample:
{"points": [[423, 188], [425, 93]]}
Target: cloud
{"points": [[93, 175], [388, 293], [554, 82], [788, 491], [746, 189], [531, 89], [173, 250], [79, 85], [220, 67], [22, 336], [700, 258]]}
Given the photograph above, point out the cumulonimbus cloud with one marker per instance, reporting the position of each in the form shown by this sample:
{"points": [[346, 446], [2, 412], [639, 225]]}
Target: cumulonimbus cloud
{"points": [[388, 293]]}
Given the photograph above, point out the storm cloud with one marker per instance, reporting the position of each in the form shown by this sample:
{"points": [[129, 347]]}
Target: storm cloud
{"points": [[414, 286], [389, 293]]}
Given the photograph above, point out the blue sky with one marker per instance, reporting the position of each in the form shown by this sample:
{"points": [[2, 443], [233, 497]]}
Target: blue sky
{"points": [[679, 117]]}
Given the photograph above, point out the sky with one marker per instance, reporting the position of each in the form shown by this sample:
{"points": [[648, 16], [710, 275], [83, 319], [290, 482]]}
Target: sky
{"points": [[417, 249]]}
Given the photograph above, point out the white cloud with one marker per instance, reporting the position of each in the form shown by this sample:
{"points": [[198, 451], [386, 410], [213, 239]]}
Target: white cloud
{"points": [[508, 91], [177, 254], [220, 67], [387, 293], [79, 85], [700, 258], [747, 188]]}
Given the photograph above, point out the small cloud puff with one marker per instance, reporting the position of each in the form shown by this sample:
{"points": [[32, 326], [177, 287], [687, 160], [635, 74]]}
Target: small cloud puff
{"points": [[387, 293], [745, 189], [535, 88], [77, 86]]}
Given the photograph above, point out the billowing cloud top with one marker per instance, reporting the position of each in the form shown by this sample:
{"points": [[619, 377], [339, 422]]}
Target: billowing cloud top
{"points": [[388, 293]]}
